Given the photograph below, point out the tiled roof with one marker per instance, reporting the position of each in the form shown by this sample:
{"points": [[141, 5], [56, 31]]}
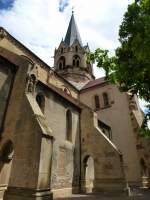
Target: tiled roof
{"points": [[94, 83]]}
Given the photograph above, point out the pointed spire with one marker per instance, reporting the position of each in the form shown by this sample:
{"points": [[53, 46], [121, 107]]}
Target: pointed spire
{"points": [[72, 32]]}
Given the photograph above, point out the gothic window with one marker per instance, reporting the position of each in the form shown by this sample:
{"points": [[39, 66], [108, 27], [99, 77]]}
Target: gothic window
{"points": [[61, 50], [76, 61], [105, 99], [76, 48], [7, 71], [41, 101], [69, 125], [61, 63], [97, 103]]}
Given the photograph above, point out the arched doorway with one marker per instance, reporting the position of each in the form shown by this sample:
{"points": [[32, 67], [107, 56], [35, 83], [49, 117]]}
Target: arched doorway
{"points": [[89, 173]]}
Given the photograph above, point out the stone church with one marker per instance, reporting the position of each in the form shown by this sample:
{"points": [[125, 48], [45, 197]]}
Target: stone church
{"points": [[61, 130]]}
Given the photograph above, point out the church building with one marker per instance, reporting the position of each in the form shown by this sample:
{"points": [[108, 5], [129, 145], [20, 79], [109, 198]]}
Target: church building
{"points": [[62, 131]]}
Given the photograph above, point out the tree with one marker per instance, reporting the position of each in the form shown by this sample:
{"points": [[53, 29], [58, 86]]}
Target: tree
{"points": [[130, 67]]}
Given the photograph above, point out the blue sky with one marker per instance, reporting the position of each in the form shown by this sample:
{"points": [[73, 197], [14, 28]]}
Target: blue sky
{"points": [[63, 4], [6, 4]]}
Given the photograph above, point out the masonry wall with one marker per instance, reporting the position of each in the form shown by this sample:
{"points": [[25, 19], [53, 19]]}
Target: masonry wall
{"points": [[66, 154], [25, 146], [108, 164], [117, 116]]}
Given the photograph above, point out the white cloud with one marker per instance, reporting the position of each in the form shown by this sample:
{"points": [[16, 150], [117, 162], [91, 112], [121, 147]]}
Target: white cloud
{"points": [[40, 26]]}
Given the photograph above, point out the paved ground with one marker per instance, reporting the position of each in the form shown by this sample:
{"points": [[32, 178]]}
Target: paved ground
{"points": [[136, 195]]}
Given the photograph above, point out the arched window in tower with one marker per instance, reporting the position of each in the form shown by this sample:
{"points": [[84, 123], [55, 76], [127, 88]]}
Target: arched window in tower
{"points": [[60, 66], [76, 61], [40, 99], [97, 102], [105, 99], [61, 63], [76, 48], [69, 126]]}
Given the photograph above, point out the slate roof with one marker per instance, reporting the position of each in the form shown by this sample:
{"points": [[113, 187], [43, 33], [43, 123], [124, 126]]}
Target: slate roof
{"points": [[72, 33]]}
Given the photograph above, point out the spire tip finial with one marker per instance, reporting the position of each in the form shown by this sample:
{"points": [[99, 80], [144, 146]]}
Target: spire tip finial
{"points": [[72, 10]]}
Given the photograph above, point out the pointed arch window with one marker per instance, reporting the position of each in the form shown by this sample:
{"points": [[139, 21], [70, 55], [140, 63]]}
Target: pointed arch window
{"points": [[97, 102], [69, 126], [105, 99], [76, 61], [61, 63], [60, 66], [40, 99], [76, 48]]}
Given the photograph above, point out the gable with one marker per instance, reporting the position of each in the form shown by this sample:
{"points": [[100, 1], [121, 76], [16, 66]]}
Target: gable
{"points": [[45, 73]]}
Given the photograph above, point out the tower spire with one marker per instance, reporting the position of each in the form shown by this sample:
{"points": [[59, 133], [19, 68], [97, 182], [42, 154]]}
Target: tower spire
{"points": [[70, 59], [72, 32]]}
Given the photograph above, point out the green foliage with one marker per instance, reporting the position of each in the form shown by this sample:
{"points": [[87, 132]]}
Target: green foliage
{"points": [[144, 130], [130, 67]]}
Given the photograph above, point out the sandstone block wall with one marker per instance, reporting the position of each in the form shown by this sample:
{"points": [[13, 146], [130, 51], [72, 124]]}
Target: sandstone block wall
{"points": [[65, 172], [108, 165], [117, 116]]}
